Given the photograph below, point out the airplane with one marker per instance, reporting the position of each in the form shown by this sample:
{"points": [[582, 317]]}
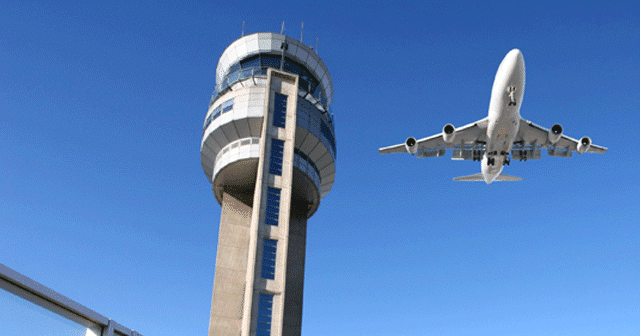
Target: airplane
{"points": [[503, 132]]}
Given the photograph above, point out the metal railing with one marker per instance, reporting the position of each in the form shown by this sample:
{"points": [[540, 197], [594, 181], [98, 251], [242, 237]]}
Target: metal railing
{"points": [[36, 293]]}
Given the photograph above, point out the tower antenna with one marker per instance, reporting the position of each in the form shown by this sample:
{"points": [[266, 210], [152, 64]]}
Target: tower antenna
{"points": [[317, 39], [282, 29], [242, 29], [301, 29]]}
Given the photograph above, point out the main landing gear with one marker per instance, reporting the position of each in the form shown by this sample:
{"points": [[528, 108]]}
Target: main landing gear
{"points": [[491, 160], [507, 160]]}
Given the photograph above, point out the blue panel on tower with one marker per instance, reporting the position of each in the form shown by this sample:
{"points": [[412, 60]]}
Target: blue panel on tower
{"points": [[280, 110], [264, 315], [277, 153], [269, 259]]}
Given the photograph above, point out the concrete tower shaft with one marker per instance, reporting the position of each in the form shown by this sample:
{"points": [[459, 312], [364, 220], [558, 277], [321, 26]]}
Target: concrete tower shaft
{"points": [[268, 148]]}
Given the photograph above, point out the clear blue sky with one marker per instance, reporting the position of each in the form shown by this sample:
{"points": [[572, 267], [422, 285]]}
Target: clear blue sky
{"points": [[103, 199]]}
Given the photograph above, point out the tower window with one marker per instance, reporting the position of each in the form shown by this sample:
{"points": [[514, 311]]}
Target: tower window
{"points": [[273, 206], [272, 61], [280, 110], [269, 259], [227, 105], [207, 121], [265, 306], [250, 62], [327, 134], [277, 153]]}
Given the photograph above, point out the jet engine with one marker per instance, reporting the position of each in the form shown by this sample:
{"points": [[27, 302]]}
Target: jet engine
{"points": [[583, 145], [410, 145], [554, 134], [448, 133]]}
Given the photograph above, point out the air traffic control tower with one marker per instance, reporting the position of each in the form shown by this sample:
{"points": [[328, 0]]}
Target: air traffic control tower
{"points": [[269, 150]]}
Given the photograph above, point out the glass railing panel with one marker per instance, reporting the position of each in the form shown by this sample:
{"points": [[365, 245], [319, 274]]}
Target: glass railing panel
{"points": [[19, 317]]}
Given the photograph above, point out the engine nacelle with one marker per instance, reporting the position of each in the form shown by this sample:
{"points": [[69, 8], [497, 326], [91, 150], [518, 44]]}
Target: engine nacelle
{"points": [[554, 133], [448, 133], [583, 145], [411, 145]]}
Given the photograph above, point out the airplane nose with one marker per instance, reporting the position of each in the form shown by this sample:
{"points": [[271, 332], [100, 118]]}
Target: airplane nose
{"points": [[514, 58], [516, 52], [520, 58], [513, 64]]}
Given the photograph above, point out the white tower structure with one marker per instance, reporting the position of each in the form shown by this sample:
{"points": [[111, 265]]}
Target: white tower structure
{"points": [[268, 148]]}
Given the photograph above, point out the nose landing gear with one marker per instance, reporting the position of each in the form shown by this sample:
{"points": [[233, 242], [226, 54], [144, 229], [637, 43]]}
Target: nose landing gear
{"points": [[512, 98]]}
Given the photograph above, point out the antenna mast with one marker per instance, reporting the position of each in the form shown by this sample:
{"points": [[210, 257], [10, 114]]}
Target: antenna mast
{"points": [[301, 29], [317, 39], [282, 29], [242, 29]]}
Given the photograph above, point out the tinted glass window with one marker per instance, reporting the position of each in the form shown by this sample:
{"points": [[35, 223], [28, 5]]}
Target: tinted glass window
{"points": [[327, 133], [269, 259], [208, 121], [265, 305], [275, 160], [292, 67], [227, 106], [256, 65], [216, 112], [307, 159], [270, 61], [251, 62], [280, 110], [273, 206]]}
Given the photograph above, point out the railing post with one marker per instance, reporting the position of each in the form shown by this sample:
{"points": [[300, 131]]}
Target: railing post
{"points": [[108, 330]]}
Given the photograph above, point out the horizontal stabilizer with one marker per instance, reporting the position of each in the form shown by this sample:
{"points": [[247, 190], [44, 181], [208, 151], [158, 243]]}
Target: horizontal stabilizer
{"points": [[480, 177], [502, 177], [476, 177]]}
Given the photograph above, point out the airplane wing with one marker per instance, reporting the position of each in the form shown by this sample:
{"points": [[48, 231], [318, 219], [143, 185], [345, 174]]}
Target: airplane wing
{"points": [[533, 137], [472, 133], [399, 148]]}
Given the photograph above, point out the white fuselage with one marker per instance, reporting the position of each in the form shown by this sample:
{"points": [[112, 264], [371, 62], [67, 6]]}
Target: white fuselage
{"points": [[504, 114]]}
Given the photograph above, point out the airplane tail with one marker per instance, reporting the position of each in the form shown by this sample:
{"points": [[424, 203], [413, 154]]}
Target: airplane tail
{"points": [[480, 177]]}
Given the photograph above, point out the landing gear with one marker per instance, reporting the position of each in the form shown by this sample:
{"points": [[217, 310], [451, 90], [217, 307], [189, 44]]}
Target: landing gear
{"points": [[476, 155], [507, 160], [512, 98], [491, 158]]}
